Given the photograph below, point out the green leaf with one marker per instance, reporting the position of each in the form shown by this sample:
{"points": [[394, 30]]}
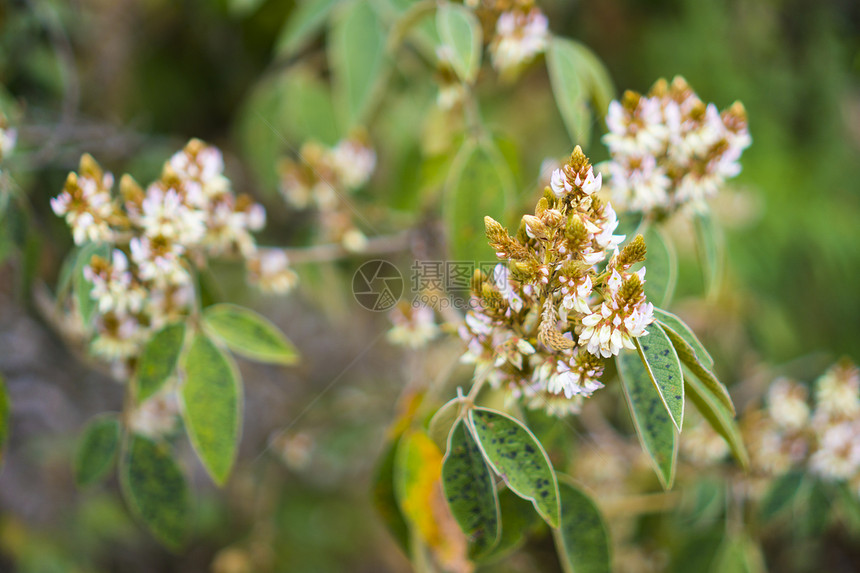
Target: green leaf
{"points": [[672, 322], [653, 424], [582, 540], [689, 359], [780, 495], [212, 410], [249, 334], [661, 361], [516, 455], [568, 88], [304, 23], [739, 554], [307, 108], [384, 499], [243, 8], [718, 416], [662, 264], [595, 76], [66, 276], [155, 489], [4, 416], [518, 517], [710, 248], [412, 19], [97, 449], [461, 33], [442, 421], [82, 286], [479, 184], [158, 360], [357, 58], [471, 491]]}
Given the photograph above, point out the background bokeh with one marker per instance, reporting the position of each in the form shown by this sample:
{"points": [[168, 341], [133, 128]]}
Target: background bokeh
{"points": [[129, 81]]}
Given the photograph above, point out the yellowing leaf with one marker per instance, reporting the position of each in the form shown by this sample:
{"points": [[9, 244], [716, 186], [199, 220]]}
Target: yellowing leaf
{"points": [[212, 406]]}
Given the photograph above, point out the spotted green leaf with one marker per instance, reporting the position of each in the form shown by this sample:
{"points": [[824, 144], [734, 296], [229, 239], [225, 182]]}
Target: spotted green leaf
{"points": [[461, 34], [582, 541], [569, 88], [479, 184], [211, 406], [356, 49], [662, 264], [158, 360], [97, 449], [442, 421], [155, 489], [652, 421], [249, 334], [718, 416], [663, 367], [671, 322], [471, 491], [518, 457], [304, 23], [518, 517]]}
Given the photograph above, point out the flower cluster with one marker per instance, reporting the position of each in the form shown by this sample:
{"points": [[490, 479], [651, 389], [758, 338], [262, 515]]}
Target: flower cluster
{"points": [[669, 149], [543, 323], [322, 177], [822, 437], [153, 239], [521, 34]]}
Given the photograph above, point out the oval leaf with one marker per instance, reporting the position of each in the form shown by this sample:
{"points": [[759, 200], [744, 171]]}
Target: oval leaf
{"points": [[518, 517], [710, 383], [656, 351], [442, 421], [595, 76], [384, 499], [418, 469], [710, 247], [158, 360], [516, 455], [672, 322], [718, 416], [306, 20], [653, 424], [480, 184], [471, 491], [461, 34], [357, 58], [249, 334], [780, 495], [155, 489], [211, 400], [562, 60], [582, 540], [97, 449], [662, 265]]}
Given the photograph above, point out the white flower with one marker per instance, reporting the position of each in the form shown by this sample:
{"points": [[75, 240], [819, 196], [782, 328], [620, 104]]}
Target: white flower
{"points": [[519, 38], [269, 270], [837, 393], [838, 454], [575, 379], [8, 137], [576, 295], [159, 259], [157, 416], [86, 204], [353, 162], [113, 286], [163, 213], [413, 326], [119, 336], [501, 278], [787, 404], [616, 323]]}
